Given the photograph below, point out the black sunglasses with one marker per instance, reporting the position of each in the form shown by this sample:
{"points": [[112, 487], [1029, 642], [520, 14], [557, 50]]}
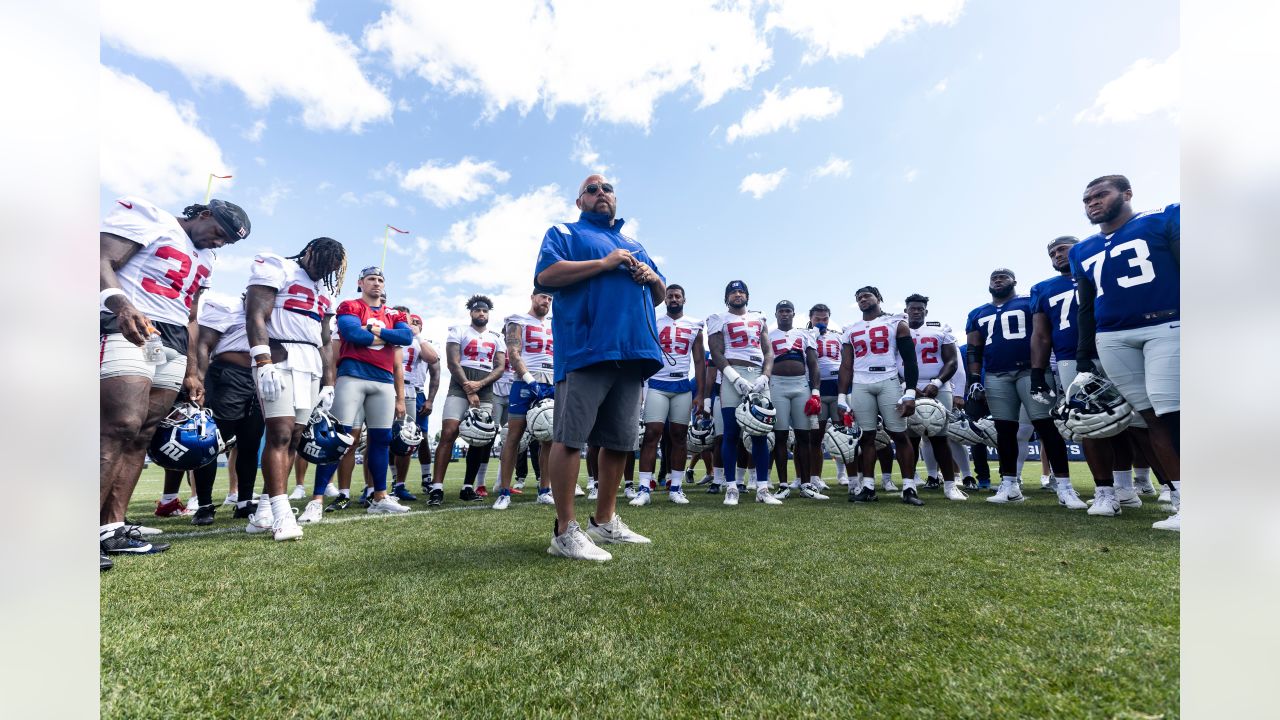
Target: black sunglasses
{"points": [[594, 188]]}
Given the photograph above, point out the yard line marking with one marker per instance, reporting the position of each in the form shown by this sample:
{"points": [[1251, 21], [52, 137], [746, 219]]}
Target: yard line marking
{"points": [[166, 536]]}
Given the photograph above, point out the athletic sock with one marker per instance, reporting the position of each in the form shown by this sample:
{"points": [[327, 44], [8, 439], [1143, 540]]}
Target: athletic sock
{"points": [[105, 531], [909, 483], [886, 477], [1142, 474], [280, 506], [740, 474], [168, 497], [1123, 479], [674, 479], [242, 503], [717, 475], [948, 485], [645, 479], [812, 478], [544, 490], [437, 486], [1061, 484], [484, 468]]}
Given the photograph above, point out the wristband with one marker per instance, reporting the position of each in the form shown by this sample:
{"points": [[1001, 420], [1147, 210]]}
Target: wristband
{"points": [[257, 350], [841, 399], [527, 378], [730, 374], [936, 383], [910, 393], [108, 294], [814, 392]]}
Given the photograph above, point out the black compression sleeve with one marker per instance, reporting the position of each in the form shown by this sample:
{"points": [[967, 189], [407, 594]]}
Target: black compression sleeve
{"points": [[1086, 347], [974, 358], [907, 351]]}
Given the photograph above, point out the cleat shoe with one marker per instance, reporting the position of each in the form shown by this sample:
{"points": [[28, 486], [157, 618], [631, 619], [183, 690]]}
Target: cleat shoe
{"points": [[126, 540], [286, 528], [545, 498], [889, 486], [1165, 496], [630, 492], [1128, 497], [969, 483], [341, 503], [713, 489], [593, 493], [742, 487], [204, 515], [298, 493], [1173, 522], [193, 504], [173, 508], [246, 512], [910, 497], [104, 562], [864, 494], [954, 493], [1007, 492], [575, 545], [232, 499], [388, 505], [331, 490], [482, 492], [751, 486], [517, 489], [784, 491], [261, 521], [143, 529], [435, 497], [807, 490], [503, 502], [312, 513], [1046, 483], [364, 496], [578, 491], [614, 531], [1145, 487], [820, 485], [641, 498], [731, 494], [402, 493], [706, 480], [984, 484], [467, 494], [932, 483], [1104, 503], [768, 498], [1070, 500], [845, 481], [677, 496]]}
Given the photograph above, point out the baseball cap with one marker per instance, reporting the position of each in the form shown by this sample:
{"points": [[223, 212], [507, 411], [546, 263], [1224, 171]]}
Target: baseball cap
{"points": [[416, 317], [1003, 271], [1064, 240], [232, 218], [736, 285], [371, 270], [784, 304]]}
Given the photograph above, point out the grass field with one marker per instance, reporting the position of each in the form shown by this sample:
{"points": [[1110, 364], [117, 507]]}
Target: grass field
{"points": [[812, 609]]}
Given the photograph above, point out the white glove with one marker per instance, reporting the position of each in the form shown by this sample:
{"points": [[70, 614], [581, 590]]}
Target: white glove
{"points": [[743, 385], [761, 384], [324, 401], [270, 381]]}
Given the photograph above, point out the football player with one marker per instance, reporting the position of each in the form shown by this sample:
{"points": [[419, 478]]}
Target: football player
{"points": [[796, 398], [826, 341], [531, 356], [936, 359], [287, 310], [870, 353], [422, 381], [1128, 278], [671, 395], [740, 348], [999, 342], [476, 358], [153, 268]]}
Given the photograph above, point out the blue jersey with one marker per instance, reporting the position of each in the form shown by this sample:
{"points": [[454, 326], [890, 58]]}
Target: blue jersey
{"points": [[1134, 271], [607, 316], [1007, 331], [1056, 298]]}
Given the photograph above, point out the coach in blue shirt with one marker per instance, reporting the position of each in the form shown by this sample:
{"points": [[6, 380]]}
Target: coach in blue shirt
{"points": [[605, 287]]}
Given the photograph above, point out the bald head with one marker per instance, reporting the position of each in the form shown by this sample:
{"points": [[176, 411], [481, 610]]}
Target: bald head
{"points": [[600, 201]]}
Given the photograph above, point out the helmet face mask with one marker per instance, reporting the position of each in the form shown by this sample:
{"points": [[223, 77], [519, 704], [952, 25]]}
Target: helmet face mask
{"points": [[323, 442], [406, 436], [477, 427], [186, 439], [540, 420], [841, 442], [701, 435], [1093, 408], [756, 414], [748, 439]]}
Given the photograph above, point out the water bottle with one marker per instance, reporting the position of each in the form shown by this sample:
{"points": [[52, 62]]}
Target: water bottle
{"points": [[153, 350]]}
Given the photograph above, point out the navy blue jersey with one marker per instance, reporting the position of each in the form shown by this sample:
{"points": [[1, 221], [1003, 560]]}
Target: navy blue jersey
{"points": [[1134, 270], [1007, 331], [1056, 298]]}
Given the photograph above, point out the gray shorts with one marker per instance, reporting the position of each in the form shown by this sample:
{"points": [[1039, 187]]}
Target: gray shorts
{"points": [[287, 405], [729, 395], [789, 394], [486, 392], [717, 420], [663, 406], [1067, 373], [1145, 365], [500, 405], [456, 407], [600, 405], [869, 400], [376, 399], [1009, 395], [830, 411]]}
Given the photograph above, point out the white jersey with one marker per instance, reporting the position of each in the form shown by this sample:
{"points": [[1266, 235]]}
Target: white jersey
{"points": [[929, 339], [537, 348], [163, 276], [227, 319], [298, 314], [795, 340], [741, 335], [828, 346], [676, 337], [875, 348], [415, 368], [477, 349]]}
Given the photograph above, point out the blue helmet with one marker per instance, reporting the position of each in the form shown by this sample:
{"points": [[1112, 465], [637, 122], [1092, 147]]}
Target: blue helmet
{"points": [[323, 442], [406, 436], [186, 439]]}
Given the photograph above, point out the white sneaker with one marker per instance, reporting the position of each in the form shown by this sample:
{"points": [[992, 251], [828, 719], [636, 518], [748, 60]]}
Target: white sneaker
{"points": [[615, 531], [1146, 488], [575, 545], [845, 481], [807, 490], [388, 505], [731, 493], [1046, 482], [677, 496], [1128, 498], [951, 492], [298, 493], [767, 498], [313, 513], [577, 490], [630, 492], [193, 504], [1165, 497], [1173, 522], [889, 486], [1070, 500], [331, 490], [286, 528], [593, 493], [1104, 503], [502, 503], [1008, 492], [820, 485], [545, 499], [232, 499], [641, 498], [784, 491], [261, 520], [751, 485]]}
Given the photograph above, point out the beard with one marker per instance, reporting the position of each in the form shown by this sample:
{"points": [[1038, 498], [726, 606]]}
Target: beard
{"points": [[483, 322], [1001, 293], [1110, 213], [675, 309], [737, 303]]}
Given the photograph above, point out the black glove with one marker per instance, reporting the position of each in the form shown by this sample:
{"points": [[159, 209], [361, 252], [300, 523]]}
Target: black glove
{"points": [[1041, 390], [1085, 365]]}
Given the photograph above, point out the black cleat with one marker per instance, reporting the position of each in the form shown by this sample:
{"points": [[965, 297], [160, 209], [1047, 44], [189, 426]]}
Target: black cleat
{"points": [[127, 540], [968, 483], [932, 483], [435, 498], [864, 494], [364, 497], [342, 502], [713, 489], [104, 562], [468, 494], [204, 515], [910, 497], [242, 513]]}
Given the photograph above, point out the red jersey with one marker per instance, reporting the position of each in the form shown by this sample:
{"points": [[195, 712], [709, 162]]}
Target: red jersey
{"points": [[382, 357]]}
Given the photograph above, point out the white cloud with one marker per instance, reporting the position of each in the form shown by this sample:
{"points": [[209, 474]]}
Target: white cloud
{"points": [[833, 167], [278, 191], [760, 184], [941, 87], [911, 174], [779, 111], [586, 155], [446, 185], [260, 161], [613, 60], [1147, 87], [151, 146], [254, 134], [376, 197], [854, 27], [268, 50]]}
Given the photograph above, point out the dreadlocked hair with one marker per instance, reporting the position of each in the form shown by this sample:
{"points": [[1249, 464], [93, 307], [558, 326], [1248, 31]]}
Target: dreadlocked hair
{"points": [[329, 258], [191, 211]]}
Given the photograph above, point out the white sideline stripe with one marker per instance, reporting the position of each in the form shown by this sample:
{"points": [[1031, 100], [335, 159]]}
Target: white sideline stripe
{"points": [[166, 536]]}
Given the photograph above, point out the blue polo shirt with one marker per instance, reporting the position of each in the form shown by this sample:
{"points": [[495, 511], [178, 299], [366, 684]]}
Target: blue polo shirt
{"points": [[607, 316]]}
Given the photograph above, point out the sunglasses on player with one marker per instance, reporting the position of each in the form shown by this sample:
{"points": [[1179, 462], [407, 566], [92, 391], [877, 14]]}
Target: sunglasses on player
{"points": [[594, 188]]}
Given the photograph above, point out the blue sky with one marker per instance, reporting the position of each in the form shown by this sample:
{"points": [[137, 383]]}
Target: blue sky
{"points": [[806, 148]]}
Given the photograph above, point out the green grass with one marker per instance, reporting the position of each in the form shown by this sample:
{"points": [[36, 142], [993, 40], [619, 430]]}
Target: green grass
{"points": [[807, 610]]}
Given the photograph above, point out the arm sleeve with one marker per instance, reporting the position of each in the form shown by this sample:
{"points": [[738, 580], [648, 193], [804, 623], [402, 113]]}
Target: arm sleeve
{"points": [[907, 352], [401, 334], [1175, 232], [1086, 324], [353, 332]]}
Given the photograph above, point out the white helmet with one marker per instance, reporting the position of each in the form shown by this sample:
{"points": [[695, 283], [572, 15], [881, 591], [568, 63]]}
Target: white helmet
{"points": [[755, 414], [640, 434], [971, 432], [841, 442], [747, 439], [701, 435], [1059, 415], [1095, 408], [525, 439], [477, 427], [539, 419], [929, 419]]}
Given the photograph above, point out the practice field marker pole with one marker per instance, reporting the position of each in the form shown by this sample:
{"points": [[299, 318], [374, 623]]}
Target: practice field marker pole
{"points": [[208, 187], [386, 236]]}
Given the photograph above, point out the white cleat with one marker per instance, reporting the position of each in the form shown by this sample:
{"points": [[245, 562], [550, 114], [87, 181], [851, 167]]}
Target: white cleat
{"points": [[312, 513], [784, 491], [232, 499], [502, 503], [1008, 492], [641, 498], [1146, 488], [575, 545], [821, 485], [545, 499], [261, 520], [845, 481], [807, 490], [630, 492], [615, 531], [286, 528], [731, 493], [593, 493], [331, 490], [1173, 522], [193, 504], [951, 492], [767, 498], [298, 493], [751, 485], [1165, 497], [1104, 503], [577, 490], [147, 531], [677, 496], [1046, 482], [388, 505], [1070, 500], [1128, 498], [889, 486]]}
